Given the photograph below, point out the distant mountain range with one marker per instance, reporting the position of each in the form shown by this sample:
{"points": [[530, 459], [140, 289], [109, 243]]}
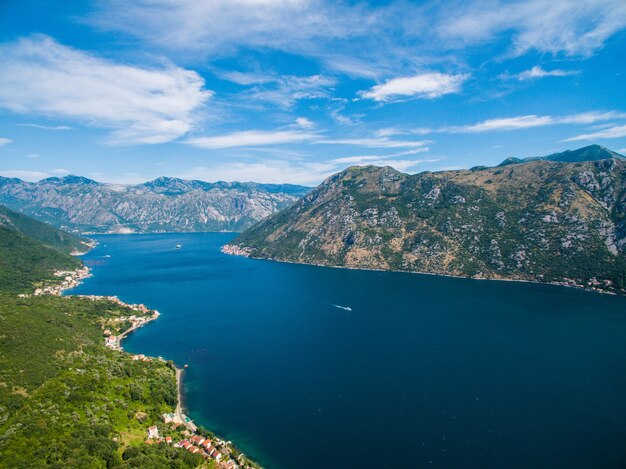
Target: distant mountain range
{"points": [[166, 204], [560, 218]]}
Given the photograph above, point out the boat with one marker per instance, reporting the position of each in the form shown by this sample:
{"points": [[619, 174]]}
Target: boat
{"points": [[178, 246]]}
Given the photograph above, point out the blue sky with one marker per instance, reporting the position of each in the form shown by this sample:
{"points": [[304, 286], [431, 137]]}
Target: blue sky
{"points": [[295, 90]]}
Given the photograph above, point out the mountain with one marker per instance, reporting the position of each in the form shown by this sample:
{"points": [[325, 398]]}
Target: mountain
{"points": [[42, 232], [31, 251], [541, 220], [165, 204], [588, 153]]}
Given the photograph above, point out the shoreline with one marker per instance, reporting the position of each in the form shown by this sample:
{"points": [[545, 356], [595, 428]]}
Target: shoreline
{"points": [[235, 250], [197, 440]]}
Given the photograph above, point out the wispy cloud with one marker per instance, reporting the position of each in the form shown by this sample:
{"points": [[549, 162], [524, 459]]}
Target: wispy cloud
{"points": [[250, 138], [31, 176], [525, 122], [39, 76], [378, 142], [425, 85], [305, 123], [46, 127], [538, 72], [286, 90], [359, 39], [295, 171], [222, 27], [4, 141], [574, 28], [617, 131]]}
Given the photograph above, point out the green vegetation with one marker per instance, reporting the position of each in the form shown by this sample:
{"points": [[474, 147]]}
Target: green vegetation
{"points": [[65, 399], [25, 262], [30, 252], [42, 232]]}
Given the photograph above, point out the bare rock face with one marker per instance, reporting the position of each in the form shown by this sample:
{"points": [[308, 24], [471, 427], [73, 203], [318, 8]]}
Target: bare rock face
{"points": [[165, 204], [542, 220]]}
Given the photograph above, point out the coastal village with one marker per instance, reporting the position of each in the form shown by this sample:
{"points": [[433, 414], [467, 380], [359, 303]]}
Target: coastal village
{"points": [[176, 428], [68, 279]]}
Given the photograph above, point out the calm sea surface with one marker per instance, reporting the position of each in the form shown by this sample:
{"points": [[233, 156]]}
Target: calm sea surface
{"points": [[424, 371]]}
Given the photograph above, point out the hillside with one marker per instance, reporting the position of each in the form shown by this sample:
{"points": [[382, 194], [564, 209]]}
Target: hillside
{"points": [[42, 232], [165, 204], [66, 400], [541, 220], [31, 251]]}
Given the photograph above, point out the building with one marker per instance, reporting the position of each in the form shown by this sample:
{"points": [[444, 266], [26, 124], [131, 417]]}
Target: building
{"points": [[153, 432]]}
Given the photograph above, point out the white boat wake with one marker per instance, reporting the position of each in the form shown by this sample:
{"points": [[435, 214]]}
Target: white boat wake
{"points": [[345, 308]]}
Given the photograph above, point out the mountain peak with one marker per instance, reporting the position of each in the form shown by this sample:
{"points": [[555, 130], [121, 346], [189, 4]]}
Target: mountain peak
{"points": [[589, 153], [69, 179]]}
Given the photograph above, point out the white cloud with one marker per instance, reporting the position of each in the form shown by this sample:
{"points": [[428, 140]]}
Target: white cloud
{"points": [[284, 91], [46, 127], [425, 85], [379, 142], [268, 171], [359, 39], [383, 160], [246, 78], [538, 72], [304, 123], [525, 122], [140, 105], [250, 138], [617, 131], [31, 176], [573, 27], [295, 172], [220, 27], [508, 123], [32, 155], [4, 141]]}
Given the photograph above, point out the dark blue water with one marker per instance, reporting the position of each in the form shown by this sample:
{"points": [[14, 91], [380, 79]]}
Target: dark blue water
{"points": [[424, 371]]}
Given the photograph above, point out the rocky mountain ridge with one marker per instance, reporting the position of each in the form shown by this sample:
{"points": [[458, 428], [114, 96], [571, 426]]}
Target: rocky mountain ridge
{"points": [[166, 204], [541, 220]]}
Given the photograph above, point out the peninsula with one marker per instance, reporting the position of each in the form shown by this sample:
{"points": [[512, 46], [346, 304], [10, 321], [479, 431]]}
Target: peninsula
{"points": [[557, 219]]}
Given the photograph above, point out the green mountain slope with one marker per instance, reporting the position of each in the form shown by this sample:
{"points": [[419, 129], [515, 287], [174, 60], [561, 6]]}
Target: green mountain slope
{"points": [[25, 261], [540, 220], [42, 232], [65, 399]]}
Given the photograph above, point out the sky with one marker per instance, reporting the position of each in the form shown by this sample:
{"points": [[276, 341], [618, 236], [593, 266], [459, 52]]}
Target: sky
{"points": [[292, 91]]}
